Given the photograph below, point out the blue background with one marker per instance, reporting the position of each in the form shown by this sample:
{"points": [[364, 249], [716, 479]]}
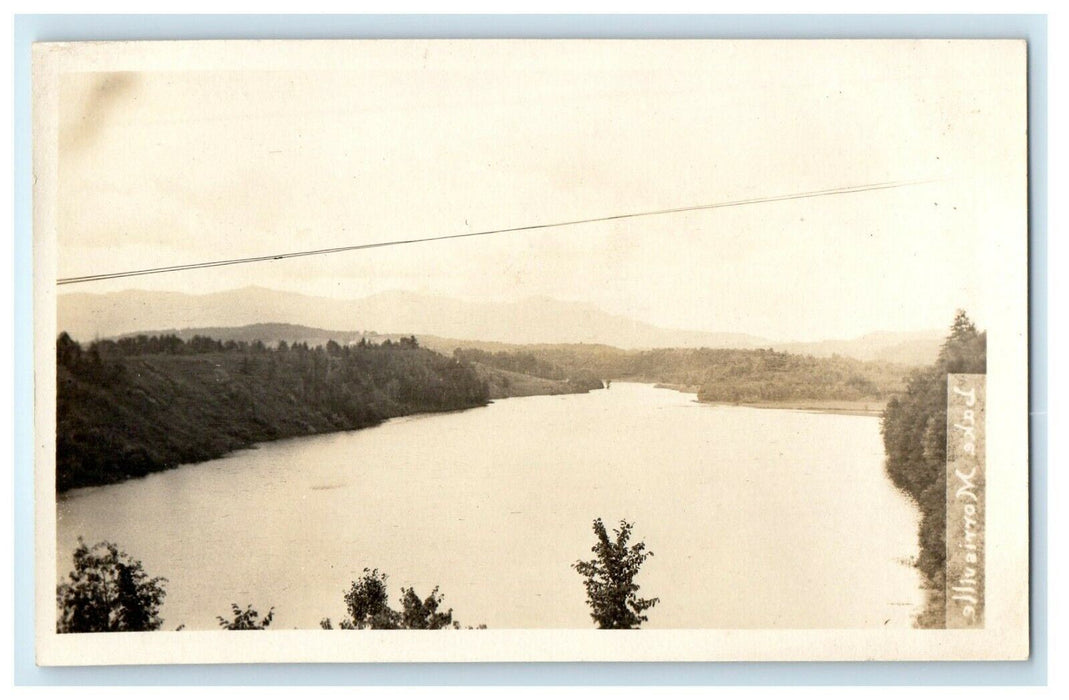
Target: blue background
{"points": [[31, 28]]}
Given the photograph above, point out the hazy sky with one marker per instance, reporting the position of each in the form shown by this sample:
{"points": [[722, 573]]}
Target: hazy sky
{"points": [[388, 140]]}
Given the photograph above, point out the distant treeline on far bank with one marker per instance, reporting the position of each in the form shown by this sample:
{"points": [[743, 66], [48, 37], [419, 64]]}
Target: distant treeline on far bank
{"points": [[141, 404], [724, 375]]}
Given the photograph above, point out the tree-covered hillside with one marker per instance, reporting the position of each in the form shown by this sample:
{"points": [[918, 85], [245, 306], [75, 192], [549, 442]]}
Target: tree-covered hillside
{"points": [[144, 404], [526, 363], [914, 436]]}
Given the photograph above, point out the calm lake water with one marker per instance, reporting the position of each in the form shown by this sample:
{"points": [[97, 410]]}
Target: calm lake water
{"points": [[758, 518]]}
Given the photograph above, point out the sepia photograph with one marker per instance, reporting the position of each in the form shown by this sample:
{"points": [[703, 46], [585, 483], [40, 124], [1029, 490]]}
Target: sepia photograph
{"points": [[469, 350]]}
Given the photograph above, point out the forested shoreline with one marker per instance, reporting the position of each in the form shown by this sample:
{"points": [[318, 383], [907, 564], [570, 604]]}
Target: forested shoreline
{"points": [[914, 434], [140, 405], [718, 375], [514, 371], [137, 405]]}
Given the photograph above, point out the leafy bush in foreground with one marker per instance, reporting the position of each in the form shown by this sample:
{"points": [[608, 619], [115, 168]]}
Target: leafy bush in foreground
{"points": [[611, 591], [246, 619], [368, 606], [108, 592]]}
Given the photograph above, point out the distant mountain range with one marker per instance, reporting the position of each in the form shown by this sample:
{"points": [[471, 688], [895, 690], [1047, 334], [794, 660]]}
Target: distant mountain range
{"points": [[270, 315]]}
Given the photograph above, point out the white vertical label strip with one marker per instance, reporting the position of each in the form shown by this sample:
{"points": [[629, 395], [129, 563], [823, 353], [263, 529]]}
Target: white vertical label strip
{"points": [[965, 499]]}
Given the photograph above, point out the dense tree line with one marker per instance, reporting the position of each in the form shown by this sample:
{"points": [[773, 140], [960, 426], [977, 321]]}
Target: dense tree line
{"points": [[68, 351], [131, 407], [766, 375], [914, 435], [525, 362], [718, 375]]}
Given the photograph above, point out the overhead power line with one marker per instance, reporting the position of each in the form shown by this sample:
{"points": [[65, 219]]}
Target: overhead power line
{"points": [[471, 234]]}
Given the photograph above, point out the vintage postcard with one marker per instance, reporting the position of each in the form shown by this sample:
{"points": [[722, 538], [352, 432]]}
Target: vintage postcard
{"points": [[474, 350]]}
